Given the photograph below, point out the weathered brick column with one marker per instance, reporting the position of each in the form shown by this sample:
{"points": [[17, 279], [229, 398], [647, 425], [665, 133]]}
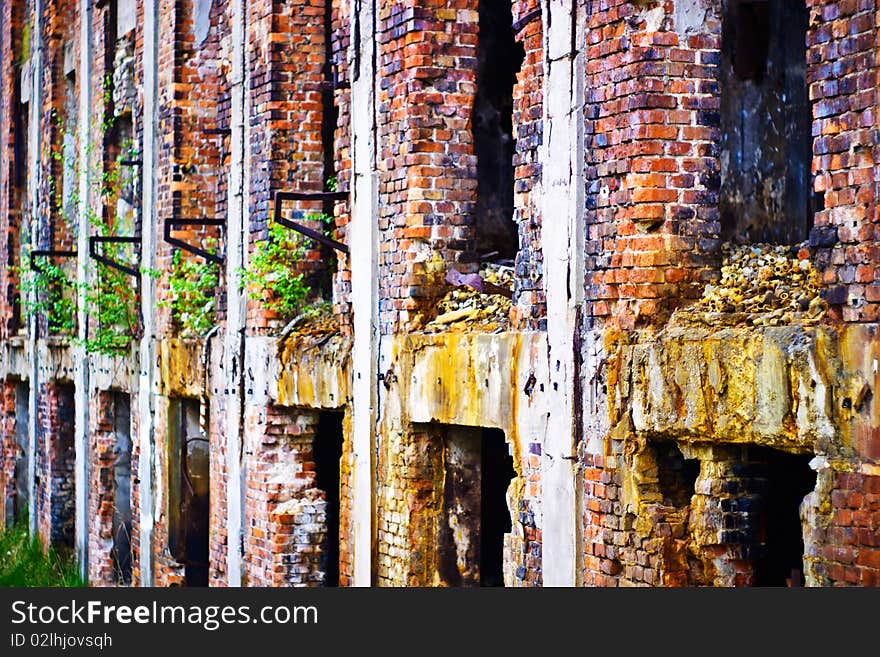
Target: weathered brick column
{"points": [[653, 170], [428, 60], [12, 163], [286, 56], [285, 516], [528, 133], [842, 74], [54, 464]]}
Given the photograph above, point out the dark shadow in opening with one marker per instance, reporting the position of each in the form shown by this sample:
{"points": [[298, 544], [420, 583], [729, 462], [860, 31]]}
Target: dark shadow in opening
{"points": [[499, 59], [327, 452], [789, 480], [121, 551], [766, 143], [496, 474], [17, 510], [677, 475]]}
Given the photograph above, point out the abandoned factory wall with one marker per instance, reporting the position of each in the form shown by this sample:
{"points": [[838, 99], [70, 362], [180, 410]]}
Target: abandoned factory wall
{"points": [[423, 293]]}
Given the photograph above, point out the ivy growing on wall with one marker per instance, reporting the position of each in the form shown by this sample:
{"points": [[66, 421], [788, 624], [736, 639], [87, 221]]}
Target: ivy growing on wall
{"points": [[274, 275], [51, 291], [193, 284], [109, 295]]}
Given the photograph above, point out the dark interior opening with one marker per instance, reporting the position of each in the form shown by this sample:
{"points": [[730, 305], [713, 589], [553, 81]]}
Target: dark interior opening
{"points": [[478, 470], [499, 58], [323, 283], [22, 155], [766, 144], [789, 480], [121, 551], [497, 472], [19, 205], [677, 475], [327, 453], [62, 467], [17, 510], [189, 490]]}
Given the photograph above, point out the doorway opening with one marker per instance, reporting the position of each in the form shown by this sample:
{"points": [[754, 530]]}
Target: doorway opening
{"points": [[121, 551], [189, 490], [327, 452]]}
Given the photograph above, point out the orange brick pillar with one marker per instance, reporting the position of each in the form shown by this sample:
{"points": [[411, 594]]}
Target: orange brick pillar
{"points": [[427, 166], [652, 170]]}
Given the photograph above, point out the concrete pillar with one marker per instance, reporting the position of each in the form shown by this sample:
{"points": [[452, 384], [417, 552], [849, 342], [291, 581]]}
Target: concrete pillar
{"points": [[81, 361], [35, 108], [236, 314], [562, 201], [146, 362], [363, 240]]}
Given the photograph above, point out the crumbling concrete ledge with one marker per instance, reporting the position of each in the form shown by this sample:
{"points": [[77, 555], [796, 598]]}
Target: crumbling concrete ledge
{"points": [[13, 359], [806, 389]]}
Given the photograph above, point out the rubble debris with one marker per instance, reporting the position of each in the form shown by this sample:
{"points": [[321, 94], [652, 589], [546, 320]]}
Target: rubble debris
{"points": [[315, 319], [760, 285], [466, 307]]}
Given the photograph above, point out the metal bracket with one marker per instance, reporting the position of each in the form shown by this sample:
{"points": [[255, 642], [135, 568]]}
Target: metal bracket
{"points": [[524, 20], [280, 197], [94, 240], [176, 223], [336, 82], [48, 254]]}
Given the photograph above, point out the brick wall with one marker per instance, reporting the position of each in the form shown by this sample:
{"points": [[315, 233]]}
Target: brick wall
{"points": [[55, 461], [12, 192], [427, 167], [286, 54], [842, 74], [101, 498], [167, 571], [135, 495], [409, 505], [219, 548], [340, 43], [8, 451], [54, 229], [652, 169], [523, 546], [846, 545], [429, 510], [528, 131], [193, 99], [346, 505], [285, 521]]}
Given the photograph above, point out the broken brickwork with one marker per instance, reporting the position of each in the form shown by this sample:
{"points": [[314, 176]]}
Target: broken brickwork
{"points": [[287, 517], [609, 430], [54, 465], [652, 170]]}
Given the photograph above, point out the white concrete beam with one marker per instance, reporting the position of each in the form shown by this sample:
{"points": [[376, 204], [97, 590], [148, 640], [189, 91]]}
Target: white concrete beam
{"points": [[363, 241], [562, 209], [146, 362], [35, 109], [81, 362], [236, 314]]}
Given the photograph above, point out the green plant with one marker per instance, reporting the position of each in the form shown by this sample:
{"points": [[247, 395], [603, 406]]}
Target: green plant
{"points": [[110, 297], [48, 289], [272, 273], [193, 293], [25, 53], [24, 562]]}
